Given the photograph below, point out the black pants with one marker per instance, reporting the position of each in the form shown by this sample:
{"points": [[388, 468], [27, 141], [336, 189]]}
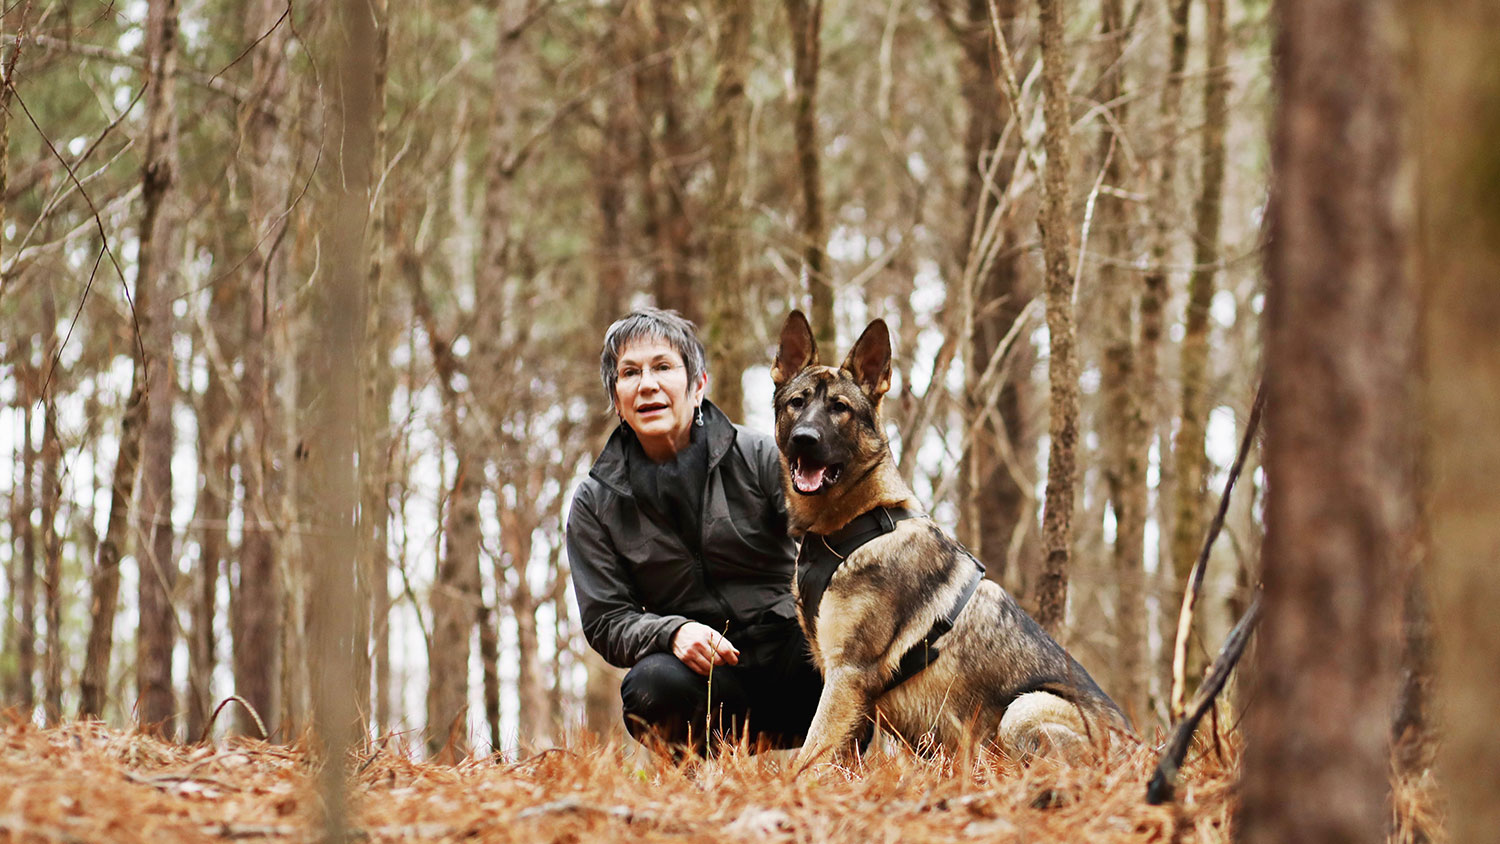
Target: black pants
{"points": [[666, 701]]}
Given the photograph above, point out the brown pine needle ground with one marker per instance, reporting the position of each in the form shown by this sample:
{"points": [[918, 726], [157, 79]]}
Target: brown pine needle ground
{"points": [[85, 782]]}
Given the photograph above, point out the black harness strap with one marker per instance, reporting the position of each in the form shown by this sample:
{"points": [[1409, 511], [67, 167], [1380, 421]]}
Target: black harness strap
{"points": [[821, 555], [922, 654]]}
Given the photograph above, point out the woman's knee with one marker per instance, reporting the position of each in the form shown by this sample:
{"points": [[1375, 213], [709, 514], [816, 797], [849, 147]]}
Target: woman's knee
{"points": [[661, 681]]}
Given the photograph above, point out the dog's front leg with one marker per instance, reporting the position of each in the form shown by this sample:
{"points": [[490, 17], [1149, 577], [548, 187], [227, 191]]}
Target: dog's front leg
{"points": [[844, 707]]}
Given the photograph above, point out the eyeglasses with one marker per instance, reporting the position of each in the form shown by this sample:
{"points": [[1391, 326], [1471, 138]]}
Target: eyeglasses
{"points": [[629, 377]]}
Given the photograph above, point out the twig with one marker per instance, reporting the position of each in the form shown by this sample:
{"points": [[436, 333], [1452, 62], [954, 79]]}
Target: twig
{"points": [[103, 236], [1088, 216], [1164, 782], [1195, 579], [261, 725], [212, 82], [236, 832]]}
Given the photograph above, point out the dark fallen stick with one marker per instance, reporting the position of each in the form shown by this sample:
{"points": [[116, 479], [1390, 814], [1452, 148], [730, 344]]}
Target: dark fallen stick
{"points": [[1163, 784], [1194, 585]]}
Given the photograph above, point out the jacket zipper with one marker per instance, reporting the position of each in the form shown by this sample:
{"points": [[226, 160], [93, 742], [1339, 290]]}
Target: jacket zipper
{"points": [[699, 556]]}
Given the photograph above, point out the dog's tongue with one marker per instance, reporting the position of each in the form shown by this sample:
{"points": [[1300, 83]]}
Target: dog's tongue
{"points": [[808, 478]]}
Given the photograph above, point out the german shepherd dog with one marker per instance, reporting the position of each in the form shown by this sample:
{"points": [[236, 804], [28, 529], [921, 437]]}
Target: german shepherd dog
{"points": [[991, 674]]}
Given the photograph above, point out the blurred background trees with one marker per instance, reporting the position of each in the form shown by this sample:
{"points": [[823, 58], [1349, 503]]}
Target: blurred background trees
{"points": [[539, 167]]}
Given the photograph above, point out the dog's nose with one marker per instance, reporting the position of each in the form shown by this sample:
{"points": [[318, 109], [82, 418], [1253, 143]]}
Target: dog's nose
{"points": [[805, 437]]}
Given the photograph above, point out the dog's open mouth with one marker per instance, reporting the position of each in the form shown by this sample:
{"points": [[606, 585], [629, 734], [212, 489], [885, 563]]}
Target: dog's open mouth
{"points": [[810, 477]]}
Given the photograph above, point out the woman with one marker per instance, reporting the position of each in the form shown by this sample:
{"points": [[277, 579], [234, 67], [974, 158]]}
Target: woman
{"points": [[680, 556]]}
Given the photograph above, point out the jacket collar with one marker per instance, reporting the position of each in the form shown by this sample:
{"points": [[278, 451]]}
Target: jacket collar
{"points": [[609, 469]]}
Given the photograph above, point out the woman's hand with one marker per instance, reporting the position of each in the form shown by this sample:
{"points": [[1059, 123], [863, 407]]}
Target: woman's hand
{"points": [[701, 647]]}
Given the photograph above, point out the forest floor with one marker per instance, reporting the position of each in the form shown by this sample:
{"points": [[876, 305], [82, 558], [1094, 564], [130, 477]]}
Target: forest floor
{"points": [[85, 782]]}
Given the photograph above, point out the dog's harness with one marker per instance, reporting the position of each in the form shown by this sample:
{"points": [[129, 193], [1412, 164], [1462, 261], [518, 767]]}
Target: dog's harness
{"points": [[821, 555]]}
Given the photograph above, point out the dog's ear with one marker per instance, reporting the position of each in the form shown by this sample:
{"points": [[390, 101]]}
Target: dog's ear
{"points": [[798, 349], [870, 359]]}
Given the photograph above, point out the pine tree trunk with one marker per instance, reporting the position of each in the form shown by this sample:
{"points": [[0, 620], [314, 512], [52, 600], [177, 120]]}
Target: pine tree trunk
{"points": [[1125, 470], [534, 729], [456, 598], [51, 492], [377, 386], [559, 692], [728, 125], [157, 270], [1189, 521], [489, 659], [1340, 512], [150, 382], [663, 149], [216, 457], [805, 20], [1054, 224], [610, 166], [10, 681], [104, 588], [515, 536], [1458, 112], [26, 642], [257, 596], [338, 303], [1155, 293], [995, 502], [455, 609]]}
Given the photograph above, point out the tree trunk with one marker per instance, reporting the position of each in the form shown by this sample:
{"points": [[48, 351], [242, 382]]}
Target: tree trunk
{"points": [[51, 493], [1458, 112], [10, 681], [157, 706], [995, 502], [663, 148], [456, 598], [377, 386], [338, 302], [729, 123], [105, 583], [216, 457], [805, 19], [256, 608], [1155, 293], [489, 659], [610, 164], [602, 713], [26, 643], [1054, 224], [1340, 336], [1125, 468], [455, 609], [515, 537], [153, 661], [1189, 521], [558, 692]]}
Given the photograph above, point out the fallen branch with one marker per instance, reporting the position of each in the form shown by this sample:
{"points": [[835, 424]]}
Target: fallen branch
{"points": [[1195, 580], [1164, 782], [240, 832]]}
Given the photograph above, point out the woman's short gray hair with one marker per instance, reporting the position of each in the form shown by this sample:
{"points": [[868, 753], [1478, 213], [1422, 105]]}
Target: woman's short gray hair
{"points": [[656, 324]]}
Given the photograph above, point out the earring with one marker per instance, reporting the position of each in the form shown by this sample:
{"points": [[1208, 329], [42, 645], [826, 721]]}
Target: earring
{"points": [[698, 416]]}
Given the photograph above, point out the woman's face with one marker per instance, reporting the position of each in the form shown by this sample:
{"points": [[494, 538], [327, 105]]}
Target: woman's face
{"points": [[653, 397]]}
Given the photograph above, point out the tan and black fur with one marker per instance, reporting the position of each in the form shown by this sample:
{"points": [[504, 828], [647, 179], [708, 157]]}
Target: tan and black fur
{"points": [[998, 676]]}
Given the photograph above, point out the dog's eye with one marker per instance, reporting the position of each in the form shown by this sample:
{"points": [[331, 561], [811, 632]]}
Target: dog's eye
{"points": [[795, 402], [839, 406]]}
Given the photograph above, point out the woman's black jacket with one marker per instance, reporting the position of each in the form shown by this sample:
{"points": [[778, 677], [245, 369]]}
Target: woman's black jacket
{"points": [[637, 581]]}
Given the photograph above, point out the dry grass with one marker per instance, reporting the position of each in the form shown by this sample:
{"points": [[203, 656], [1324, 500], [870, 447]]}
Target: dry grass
{"points": [[86, 782]]}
